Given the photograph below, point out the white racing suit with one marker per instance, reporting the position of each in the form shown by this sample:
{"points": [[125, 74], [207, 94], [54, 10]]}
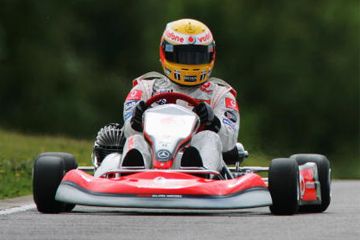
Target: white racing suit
{"points": [[210, 145]]}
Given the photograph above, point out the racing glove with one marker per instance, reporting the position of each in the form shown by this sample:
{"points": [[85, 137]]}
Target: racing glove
{"points": [[136, 119], [207, 117]]}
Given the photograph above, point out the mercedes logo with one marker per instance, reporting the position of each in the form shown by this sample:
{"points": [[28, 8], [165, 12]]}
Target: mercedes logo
{"points": [[163, 155]]}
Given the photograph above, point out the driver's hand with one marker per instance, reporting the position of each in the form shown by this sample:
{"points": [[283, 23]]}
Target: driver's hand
{"points": [[136, 119], [207, 116]]}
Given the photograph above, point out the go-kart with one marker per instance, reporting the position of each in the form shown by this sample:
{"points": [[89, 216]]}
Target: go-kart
{"points": [[300, 183]]}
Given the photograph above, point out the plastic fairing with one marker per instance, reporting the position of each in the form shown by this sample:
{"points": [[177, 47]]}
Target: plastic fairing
{"points": [[164, 189]]}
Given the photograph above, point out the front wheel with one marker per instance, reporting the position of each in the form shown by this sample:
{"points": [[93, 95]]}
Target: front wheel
{"points": [[48, 171], [323, 166], [284, 186]]}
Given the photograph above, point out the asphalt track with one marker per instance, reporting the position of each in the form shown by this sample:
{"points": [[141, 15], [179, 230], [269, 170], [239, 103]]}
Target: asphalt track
{"points": [[19, 220]]}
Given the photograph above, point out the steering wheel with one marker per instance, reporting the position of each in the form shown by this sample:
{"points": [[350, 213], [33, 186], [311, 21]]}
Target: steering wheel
{"points": [[171, 97]]}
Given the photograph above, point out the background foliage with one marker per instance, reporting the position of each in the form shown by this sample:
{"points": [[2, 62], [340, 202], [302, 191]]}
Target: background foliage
{"points": [[66, 66], [16, 160]]}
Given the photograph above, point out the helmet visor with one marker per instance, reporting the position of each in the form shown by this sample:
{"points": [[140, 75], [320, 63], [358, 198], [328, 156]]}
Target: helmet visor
{"points": [[188, 54]]}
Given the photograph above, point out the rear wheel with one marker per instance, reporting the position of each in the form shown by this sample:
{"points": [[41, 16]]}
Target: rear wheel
{"points": [[49, 169], [284, 186], [323, 166]]}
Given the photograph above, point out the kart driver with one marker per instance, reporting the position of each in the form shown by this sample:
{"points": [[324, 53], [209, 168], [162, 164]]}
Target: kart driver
{"points": [[187, 55]]}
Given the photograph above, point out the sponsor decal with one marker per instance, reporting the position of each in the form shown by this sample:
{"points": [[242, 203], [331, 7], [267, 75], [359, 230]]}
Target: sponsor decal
{"points": [[205, 88], [166, 196], [131, 143], [174, 36], [229, 124], [205, 37], [232, 104], [130, 104], [128, 108], [161, 90], [127, 115], [134, 95], [231, 116], [164, 144], [161, 101], [163, 155], [190, 78], [204, 100], [169, 48], [191, 39], [202, 38]]}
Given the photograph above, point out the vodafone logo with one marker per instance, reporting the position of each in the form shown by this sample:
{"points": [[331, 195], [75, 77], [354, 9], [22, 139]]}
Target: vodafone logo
{"points": [[205, 38], [134, 95], [205, 87], [190, 39], [231, 103], [173, 36]]}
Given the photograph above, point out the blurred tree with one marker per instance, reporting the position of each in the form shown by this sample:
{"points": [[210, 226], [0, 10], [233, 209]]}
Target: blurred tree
{"points": [[66, 66]]}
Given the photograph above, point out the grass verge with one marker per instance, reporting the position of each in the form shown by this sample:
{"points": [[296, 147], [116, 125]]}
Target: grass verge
{"points": [[18, 151]]}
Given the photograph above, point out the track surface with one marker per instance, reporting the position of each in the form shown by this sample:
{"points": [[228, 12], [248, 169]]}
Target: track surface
{"points": [[340, 221]]}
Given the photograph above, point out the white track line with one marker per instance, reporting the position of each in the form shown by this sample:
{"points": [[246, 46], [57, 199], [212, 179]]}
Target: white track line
{"points": [[17, 209]]}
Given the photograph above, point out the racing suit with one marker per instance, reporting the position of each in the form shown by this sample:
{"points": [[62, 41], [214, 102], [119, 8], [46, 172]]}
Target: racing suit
{"points": [[210, 145]]}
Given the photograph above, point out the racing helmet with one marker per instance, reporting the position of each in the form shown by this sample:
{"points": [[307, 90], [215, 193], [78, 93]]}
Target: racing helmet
{"points": [[187, 52]]}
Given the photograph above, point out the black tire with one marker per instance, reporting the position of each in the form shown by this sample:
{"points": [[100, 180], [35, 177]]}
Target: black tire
{"points": [[284, 186], [47, 175], [323, 166], [69, 159], [49, 169]]}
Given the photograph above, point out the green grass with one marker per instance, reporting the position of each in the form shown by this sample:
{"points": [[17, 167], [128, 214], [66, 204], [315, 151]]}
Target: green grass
{"points": [[18, 151]]}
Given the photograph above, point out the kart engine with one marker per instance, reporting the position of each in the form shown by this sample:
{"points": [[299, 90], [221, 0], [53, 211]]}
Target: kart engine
{"points": [[110, 139]]}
